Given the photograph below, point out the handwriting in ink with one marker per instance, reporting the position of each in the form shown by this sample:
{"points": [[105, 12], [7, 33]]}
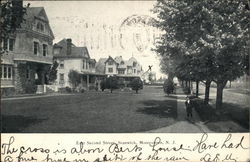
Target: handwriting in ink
{"points": [[155, 146], [202, 145], [209, 158], [6, 147], [115, 148], [81, 150], [227, 144]]}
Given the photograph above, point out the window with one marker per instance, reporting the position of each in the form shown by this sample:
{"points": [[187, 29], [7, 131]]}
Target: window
{"points": [[40, 26], [110, 63], [8, 44], [134, 64], [45, 50], [5, 44], [122, 62], [61, 77], [121, 71], [110, 70], [9, 72], [11, 44], [134, 70], [61, 64], [83, 64], [36, 46], [6, 71]]}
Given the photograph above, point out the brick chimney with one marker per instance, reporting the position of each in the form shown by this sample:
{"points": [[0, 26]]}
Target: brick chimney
{"points": [[69, 45]]}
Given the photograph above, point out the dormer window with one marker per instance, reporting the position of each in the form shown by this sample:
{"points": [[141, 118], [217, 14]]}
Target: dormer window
{"points": [[134, 64], [122, 62], [40, 27], [110, 63]]}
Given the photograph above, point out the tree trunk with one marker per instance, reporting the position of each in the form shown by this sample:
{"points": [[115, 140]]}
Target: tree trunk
{"points": [[207, 91], [186, 83], [197, 88], [136, 91], [111, 90], [219, 94]]}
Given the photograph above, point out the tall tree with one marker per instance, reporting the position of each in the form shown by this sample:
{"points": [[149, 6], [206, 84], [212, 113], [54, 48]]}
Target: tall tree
{"points": [[12, 15], [206, 39]]}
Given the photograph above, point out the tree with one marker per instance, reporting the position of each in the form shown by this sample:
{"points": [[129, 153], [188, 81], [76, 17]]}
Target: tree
{"points": [[52, 75], [136, 84], [12, 15], [168, 86], [74, 78], [204, 40], [103, 84], [112, 83]]}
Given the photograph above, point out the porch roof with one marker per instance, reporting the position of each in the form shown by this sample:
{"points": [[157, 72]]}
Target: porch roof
{"points": [[92, 73]]}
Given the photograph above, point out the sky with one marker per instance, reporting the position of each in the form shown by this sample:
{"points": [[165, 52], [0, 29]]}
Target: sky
{"points": [[98, 26]]}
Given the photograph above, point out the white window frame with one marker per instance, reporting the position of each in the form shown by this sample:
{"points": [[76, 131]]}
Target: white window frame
{"points": [[37, 51], [111, 70], [46, 50], [8, 67], [8, 44]]}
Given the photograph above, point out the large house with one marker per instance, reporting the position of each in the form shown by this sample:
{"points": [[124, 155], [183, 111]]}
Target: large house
{"points": [[124, 69], [28, 54], [71, 57]]}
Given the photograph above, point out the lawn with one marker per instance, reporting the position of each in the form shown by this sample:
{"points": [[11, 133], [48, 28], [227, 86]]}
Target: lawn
{"points": [[91, 112]]}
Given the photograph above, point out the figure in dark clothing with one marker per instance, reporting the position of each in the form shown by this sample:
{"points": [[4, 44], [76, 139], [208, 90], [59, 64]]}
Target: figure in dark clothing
{"points": [[189, 107]]}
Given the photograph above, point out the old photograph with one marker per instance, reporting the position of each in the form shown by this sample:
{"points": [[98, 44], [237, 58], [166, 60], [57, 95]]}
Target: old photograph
{"points": [[162, 66]]}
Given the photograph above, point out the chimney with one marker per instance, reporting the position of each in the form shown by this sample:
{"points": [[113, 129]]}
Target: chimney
{"points": [[69, 45]]}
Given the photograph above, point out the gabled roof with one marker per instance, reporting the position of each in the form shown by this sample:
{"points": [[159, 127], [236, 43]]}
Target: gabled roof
{"points": [[76, 52], [110, 58], [36, 12], [118, 59]]}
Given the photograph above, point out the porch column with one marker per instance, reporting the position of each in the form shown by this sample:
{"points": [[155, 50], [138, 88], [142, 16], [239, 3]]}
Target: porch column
{"points": [[87, 82], [42, 77]]}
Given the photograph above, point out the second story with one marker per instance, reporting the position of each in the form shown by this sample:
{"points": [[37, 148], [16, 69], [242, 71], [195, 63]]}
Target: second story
{"points": [[33, 41], [71, 57]]}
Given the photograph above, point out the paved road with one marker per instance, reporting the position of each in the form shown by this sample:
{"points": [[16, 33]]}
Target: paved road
{"points": [[184, 125]]}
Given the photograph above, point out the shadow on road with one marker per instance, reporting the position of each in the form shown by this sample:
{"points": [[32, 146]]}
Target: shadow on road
{"points": [[161, 109], [16, 123]]}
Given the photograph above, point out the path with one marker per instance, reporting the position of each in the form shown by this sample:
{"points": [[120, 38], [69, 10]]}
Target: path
{"points": [[184, 125]]}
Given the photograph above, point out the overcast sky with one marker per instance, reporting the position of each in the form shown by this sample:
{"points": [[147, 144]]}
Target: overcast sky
{"points": [[86, 21]]}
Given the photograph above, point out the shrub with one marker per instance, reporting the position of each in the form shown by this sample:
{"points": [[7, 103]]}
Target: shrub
{"points": [[8, 91], [168, 86], [103, 85], [68, 89], [74, 78], [111, 83], [136, 84]]}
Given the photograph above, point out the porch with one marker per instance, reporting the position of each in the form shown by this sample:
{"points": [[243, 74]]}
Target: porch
{"points": [[91, 80]]}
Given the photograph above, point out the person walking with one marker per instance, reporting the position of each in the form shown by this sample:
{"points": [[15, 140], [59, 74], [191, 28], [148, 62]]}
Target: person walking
{"points": [[189, 107]]}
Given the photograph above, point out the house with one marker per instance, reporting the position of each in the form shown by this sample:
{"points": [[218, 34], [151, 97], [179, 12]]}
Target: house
{"points": [[27, 54], [123, 69], [71, 57]]}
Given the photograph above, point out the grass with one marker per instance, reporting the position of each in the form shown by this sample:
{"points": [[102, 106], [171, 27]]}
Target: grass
{"points": [[229, 112], [91, 112]]}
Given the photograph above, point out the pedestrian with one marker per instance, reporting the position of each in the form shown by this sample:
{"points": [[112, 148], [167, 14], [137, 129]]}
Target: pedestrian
{"points": [[189, 107]]}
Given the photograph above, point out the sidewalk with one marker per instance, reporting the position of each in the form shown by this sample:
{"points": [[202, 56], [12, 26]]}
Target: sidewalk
{"points": [[184, 125], [33, 96]]}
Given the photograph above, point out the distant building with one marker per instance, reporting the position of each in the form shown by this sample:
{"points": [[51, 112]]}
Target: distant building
{"points": [[125, 70], [28, 54], [71, 57], [119, 67]]}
